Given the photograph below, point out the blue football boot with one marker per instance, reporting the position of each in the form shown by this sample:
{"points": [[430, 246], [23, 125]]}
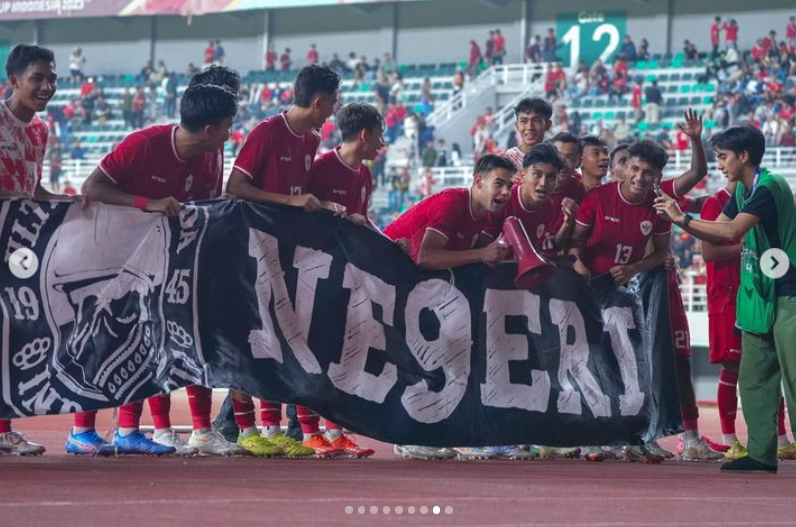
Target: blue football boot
{"points": [[88, 444], [138, 443]]}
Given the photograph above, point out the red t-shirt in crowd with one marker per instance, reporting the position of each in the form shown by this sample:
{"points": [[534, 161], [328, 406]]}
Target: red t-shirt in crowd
{"points": [[621, 67], [636, 102], [541, 224], [619, 230], [270, 59], [332, 179], [22, 147], [714, 34], [277, 159], [790, 31], [146, 164], [732, 32], [209, 55], [724, 277], [312, 56], [448, 213]]}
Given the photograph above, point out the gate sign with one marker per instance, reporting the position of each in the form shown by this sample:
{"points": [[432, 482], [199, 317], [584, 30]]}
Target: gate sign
{"points": [[590, 35]]}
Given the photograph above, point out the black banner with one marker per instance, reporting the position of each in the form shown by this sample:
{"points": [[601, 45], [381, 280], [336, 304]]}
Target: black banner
{"points": [[311, 309]]}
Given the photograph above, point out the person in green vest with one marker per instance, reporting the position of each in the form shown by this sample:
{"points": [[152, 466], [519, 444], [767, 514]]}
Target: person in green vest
{"points": [[762, 213]]}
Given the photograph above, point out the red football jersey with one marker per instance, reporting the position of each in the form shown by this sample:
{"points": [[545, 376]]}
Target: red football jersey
{"points": [[790, 31], [619, 230], [332, 180], [541, 224], [724, 277], [276, 158], [146, 164], [448, 213], [22, 147], [516, 155]]}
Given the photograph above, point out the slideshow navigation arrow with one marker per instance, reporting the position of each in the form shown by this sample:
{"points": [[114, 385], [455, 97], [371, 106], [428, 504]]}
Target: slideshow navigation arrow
{"points": [[774, 263]]}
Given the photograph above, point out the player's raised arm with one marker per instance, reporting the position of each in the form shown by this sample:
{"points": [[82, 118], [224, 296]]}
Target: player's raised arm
{"points": [[692, 127]]}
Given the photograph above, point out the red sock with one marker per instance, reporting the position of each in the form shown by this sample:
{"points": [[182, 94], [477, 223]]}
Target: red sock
{"points": [[244, 413], [5, 425], [200, 399], [130, 415], [159, 407], [781, 430], [728, 400], [85, 419], [270, 413], [332, 426], [690, 417], [308, 420]]}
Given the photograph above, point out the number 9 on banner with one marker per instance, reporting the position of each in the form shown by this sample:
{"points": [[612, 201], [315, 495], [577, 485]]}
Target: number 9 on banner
{"points": [[590, 35]]}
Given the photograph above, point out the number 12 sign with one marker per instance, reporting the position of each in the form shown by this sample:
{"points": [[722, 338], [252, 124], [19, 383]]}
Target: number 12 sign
{"points": [[589, 36]]}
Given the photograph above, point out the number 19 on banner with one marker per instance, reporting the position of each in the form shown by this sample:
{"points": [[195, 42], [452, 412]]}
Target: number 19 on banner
{"points": [[589, 36]]}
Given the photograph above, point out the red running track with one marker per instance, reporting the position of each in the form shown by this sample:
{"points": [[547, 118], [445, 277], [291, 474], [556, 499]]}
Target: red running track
{"points": [[58, 490]]}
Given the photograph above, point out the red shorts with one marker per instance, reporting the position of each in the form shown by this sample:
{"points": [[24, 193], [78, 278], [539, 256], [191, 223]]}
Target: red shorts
{"points": [[681, 336], [725, 345]]}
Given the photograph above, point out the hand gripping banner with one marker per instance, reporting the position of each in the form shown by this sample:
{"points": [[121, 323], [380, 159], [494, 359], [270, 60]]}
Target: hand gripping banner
{"points": [[312, 309]]}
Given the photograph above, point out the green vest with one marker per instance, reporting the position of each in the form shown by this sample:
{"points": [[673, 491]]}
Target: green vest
{"points": [[757, 296]]}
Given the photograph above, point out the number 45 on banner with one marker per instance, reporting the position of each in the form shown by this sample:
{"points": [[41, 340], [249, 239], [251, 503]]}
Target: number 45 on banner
{"points": [[589, 36]]}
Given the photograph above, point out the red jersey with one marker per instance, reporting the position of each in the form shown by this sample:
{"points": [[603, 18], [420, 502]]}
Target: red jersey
{"points": [[22, 147], [276, 158], [714, 34], [448, 213], [790, 31], [146, 164], [724, 277], [731, 31], [541, 224], [270, 59], [209, 55], [312, 56], [636, 102], [333, 180], [619, 230]]}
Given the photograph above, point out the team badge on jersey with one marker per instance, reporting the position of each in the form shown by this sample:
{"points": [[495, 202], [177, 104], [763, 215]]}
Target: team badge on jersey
{"points": [[307, 162], [646, 227], [540, 230]]}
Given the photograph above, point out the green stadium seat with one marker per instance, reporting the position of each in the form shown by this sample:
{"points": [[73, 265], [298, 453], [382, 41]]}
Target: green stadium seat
{"points": [[710, 124], [668, 125], [610, 116], [685, 88], [642, 126], [597, 115], [642, 64], [708, 99]]}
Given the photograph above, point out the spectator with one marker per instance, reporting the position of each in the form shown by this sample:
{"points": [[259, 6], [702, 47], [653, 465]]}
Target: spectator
{"points": [[474, 63], [76, 64], [285, 61], [690, 50], [499, 50], [715, 36], [654, 101], [788, 138], [427, 182], [790, 32], [458, 81], [146, 73], [394, 120], [77, 151], [382, 89], [643, 52], [171, 95], [628, 49], [312, 55], [393, 182], [336, 64], [378, 167], [103, 110], [191, 70], [549, 46], [579, 87], [533, 53], [429, 157], [403, 188], [68, 189], [126, 106], [456, 155], [270, 57], [55, 168], [575, 123], [621, 130], [426, 97], [389, 65], [209, 54], [139, 106], [635, 102], [219, 54], [489, 49], [731, 33], [442, 154]]}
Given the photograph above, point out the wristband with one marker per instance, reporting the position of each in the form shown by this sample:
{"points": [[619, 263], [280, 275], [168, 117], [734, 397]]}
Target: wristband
{"points": [[687, 219], [140, 202]]}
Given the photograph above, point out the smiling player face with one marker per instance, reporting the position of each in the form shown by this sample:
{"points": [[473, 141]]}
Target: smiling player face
{"points": [[531, 127], [36, 85]]}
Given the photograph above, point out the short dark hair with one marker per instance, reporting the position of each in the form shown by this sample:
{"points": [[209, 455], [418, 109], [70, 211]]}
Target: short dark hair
{"points": [[315, 80], [218, 76], [743, 138], [206, 104], [489, 162], [566, 137], [355, 117], [618, 148], [534, 105], [649, 151], [543, 153], [592, 140], [23, 55]]}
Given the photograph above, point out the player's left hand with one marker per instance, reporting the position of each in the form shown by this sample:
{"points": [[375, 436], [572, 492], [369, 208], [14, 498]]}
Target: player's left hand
{"points": [[668, 209], [570, 208], [623, 273], [693, 124]]}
